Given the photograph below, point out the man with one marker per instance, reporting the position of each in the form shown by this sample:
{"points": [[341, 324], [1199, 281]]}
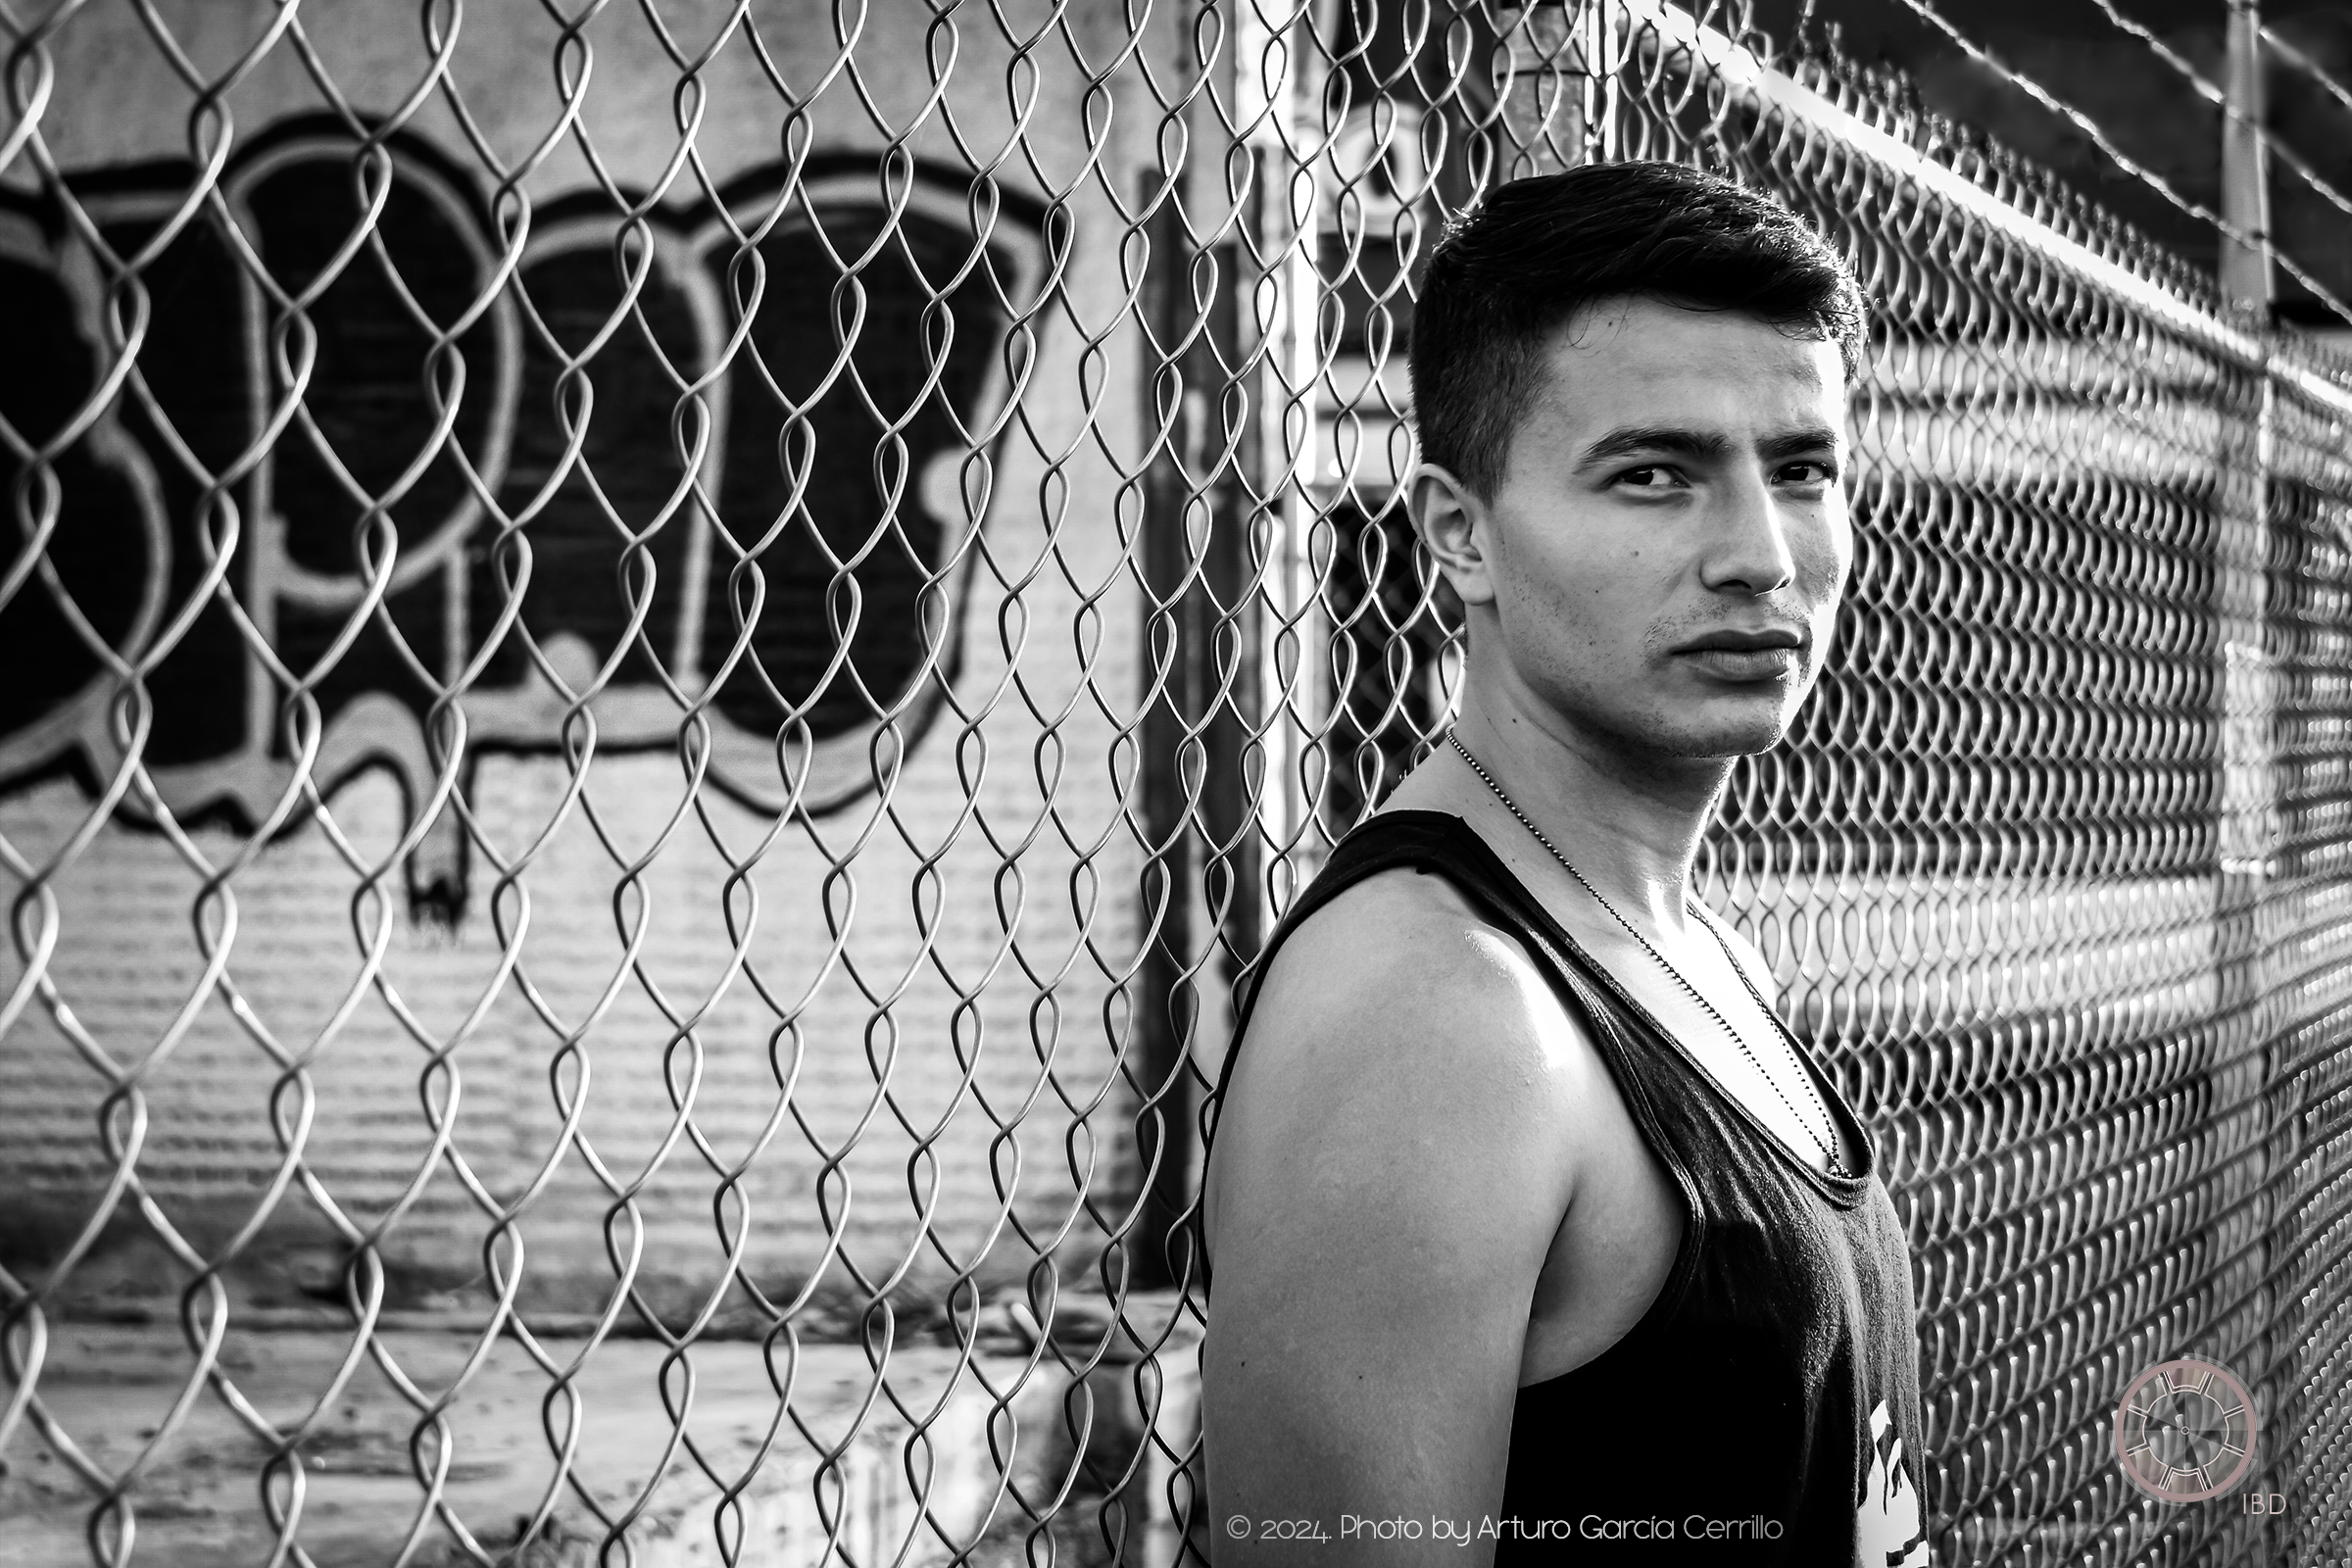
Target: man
{"points": [[1534, 1236]]}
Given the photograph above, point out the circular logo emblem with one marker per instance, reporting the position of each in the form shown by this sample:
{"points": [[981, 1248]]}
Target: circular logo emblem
{"points": [[2185, 1431]]}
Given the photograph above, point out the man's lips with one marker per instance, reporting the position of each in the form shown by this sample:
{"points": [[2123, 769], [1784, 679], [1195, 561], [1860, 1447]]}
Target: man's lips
{"points": [[1771, 655], [1775, 661], [1747, 641]]}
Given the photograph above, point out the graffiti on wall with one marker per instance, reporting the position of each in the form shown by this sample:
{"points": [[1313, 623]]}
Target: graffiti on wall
{"points": [[708, 479]]}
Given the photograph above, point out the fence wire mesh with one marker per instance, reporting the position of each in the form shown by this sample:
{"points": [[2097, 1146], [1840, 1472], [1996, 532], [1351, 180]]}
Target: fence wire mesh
{"points": [[664, 659]]}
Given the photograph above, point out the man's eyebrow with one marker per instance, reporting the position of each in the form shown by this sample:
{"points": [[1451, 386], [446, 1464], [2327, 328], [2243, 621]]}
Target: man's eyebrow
{"points": [[1634, 439], [1797, 442], [1701, 446]]}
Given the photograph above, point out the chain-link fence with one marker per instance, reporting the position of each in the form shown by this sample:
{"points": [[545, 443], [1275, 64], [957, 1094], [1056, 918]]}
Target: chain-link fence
{"points": [[663, 660]]}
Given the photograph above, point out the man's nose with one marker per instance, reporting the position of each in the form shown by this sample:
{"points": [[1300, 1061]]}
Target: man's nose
{"points": [[1748, 547]]}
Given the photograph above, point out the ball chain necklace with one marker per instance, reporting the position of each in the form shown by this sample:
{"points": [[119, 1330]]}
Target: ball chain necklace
{"points": [[1829, 1146]]}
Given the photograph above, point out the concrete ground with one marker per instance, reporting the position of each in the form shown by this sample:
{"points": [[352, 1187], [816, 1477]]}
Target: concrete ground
{"points": [[198, 1499]]}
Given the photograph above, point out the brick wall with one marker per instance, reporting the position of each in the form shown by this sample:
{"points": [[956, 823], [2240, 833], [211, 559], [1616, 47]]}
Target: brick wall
{"points": [[977, 925]]}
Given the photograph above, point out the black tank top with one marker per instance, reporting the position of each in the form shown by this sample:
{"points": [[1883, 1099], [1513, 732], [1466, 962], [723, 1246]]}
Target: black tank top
{"points": [[1765, 1409]]}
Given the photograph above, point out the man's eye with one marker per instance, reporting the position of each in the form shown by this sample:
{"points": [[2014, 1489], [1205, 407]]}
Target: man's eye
{"points": [[1655, 476], [1809, 472]]}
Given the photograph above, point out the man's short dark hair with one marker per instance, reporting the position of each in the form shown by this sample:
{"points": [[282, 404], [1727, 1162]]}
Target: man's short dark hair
{"points": [[1536, 251]]}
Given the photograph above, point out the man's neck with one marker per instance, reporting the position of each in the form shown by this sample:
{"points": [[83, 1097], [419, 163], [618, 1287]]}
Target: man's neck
{"points": [[1630, 822]]}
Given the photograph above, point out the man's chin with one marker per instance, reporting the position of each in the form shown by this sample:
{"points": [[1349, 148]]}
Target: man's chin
{"points": [[1720, 739]]}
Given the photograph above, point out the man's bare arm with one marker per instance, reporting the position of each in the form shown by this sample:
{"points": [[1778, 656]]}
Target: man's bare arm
{"points": [[1392, 1163]]}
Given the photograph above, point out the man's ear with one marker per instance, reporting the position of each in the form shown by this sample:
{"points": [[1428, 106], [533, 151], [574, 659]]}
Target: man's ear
{"points": [[1454, 522]]}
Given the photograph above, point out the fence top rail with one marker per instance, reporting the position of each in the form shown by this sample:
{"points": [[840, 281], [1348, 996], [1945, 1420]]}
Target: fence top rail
{"points": [[1740, 69]]}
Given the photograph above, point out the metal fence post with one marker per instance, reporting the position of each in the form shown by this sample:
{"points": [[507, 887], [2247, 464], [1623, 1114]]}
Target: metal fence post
{"points": [[2246, 271], [1222, 478], [2249, 805]]}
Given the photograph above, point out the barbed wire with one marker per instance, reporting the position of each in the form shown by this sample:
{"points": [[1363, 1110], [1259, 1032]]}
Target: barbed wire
{"points": [[2188, 72], [2294, 56], [2099, 138]]}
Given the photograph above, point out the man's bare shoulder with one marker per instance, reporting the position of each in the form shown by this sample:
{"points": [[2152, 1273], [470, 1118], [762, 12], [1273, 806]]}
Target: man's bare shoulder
{"points": [[1402, 1037], [1395, 948]]}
